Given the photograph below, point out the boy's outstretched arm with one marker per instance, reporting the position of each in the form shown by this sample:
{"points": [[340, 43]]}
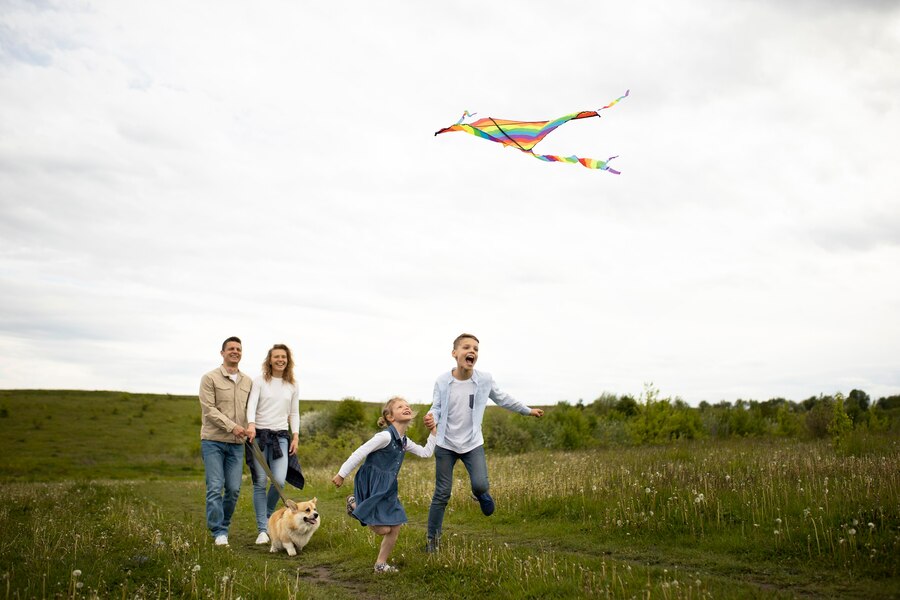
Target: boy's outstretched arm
{"points": [[537, 412]]}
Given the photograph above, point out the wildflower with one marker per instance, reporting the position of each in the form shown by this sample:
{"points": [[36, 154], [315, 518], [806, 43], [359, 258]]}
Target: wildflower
{"points": [[79, 585], [852, 531], [778, 521], [777, 532], [195, 569], [76, 573], [855, 522], [871, 526], [647, 490]]}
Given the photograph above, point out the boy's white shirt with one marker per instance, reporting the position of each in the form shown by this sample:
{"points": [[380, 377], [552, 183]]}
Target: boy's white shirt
{"points": [[485, 388], [461, 436], [280, 404], [377, 442]]}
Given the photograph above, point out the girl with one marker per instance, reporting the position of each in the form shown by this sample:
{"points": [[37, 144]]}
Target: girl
{"points": [[375, 486], [272, 406]]}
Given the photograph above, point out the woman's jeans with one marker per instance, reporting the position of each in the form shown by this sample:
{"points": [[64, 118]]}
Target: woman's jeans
{"points": [[224, 464], [264, 504], [444, 461]]}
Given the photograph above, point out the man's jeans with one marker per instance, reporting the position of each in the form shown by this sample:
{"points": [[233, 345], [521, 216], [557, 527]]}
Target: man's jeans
{"points": [[444, 461], [264, 504], [224, 465]]}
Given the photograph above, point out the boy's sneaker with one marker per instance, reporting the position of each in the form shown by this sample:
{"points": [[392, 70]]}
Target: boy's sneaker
{"points": [[432, 545], [221, 540], [486, 503], [262, 538], [385, 568], [351, 504]]}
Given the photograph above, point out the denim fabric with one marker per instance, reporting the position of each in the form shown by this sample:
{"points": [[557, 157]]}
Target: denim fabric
{"points": [[485, 388], [224, 464], [264, 504], [444, 462]]}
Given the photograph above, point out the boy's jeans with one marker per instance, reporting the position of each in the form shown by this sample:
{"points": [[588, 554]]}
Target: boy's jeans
{"points": [[263, 504], [224, 464], [444, 461]]}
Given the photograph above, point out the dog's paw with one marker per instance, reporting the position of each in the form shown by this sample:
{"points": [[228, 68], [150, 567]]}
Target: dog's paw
{"points": [[273, 549]]}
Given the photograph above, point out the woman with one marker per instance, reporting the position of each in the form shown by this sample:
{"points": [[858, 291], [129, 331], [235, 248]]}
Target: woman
{"points": [[272, 407]]}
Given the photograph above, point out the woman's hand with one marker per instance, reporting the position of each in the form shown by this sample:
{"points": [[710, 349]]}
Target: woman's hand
{"points": [[338, 481], [295, 441]]}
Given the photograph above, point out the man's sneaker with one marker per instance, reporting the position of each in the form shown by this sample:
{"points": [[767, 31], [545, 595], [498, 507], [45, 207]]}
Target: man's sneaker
{"points": [[351, 504], [486, 503], [432, 545], [222, 540], [262, 538], [385, 568]]}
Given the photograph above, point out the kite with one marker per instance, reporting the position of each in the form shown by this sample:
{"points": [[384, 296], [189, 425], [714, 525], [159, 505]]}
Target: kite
{"points": [[525, 135]]}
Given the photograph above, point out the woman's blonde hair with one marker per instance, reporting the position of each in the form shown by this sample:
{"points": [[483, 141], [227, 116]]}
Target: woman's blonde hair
{"points": [[288, 374], [388, 409]]}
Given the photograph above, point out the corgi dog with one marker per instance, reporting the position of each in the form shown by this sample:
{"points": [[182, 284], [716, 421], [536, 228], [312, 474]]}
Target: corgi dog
{"points": [[290, 527]]}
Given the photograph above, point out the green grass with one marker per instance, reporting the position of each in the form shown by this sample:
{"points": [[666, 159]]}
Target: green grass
{"points": [[111, 485]]}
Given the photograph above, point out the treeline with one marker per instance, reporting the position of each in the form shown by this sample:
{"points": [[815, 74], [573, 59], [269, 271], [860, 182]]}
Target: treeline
{"points": [[610, 420]]}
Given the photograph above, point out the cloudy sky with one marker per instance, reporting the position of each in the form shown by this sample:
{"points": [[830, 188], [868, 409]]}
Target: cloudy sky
{"points": [[175, 173]]}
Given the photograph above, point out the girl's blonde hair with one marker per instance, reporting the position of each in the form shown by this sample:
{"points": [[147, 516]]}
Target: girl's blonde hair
{"points": [[288, 374], [388, 409]]}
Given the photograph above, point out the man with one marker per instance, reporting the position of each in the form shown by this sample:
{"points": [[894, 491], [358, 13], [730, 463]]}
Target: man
{"points": [[223, 408]]}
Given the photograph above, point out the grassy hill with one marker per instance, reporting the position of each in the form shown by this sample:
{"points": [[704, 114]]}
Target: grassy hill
{"points": [[71, 434], [102, 495]]}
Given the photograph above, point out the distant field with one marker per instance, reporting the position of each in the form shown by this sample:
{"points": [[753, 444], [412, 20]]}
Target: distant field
{"points": [[105, 489]]}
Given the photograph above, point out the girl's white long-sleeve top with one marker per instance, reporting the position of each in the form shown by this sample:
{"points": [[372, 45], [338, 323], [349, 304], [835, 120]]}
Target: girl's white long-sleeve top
{"points": [[379, 441], [274, 404]]}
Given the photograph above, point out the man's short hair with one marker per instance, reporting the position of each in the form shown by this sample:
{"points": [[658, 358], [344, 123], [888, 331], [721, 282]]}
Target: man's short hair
{"points": [[233, 338], [461, 337]]}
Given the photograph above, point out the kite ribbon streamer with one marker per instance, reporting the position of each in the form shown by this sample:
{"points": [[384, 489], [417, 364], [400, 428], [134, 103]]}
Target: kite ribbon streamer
{"points": [[525, 135]]}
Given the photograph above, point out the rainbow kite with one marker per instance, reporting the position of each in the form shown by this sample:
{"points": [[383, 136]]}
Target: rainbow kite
{"points": [[525, 135]]}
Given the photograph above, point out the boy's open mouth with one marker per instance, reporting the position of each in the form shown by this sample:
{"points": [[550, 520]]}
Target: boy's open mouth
{"points": [[470, 359]]}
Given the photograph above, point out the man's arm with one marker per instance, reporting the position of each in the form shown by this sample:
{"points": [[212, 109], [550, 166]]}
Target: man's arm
{"points": [[210, 412]]}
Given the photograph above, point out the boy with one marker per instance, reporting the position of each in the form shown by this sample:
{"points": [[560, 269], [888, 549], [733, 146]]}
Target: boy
{"points": [[460, 398]]}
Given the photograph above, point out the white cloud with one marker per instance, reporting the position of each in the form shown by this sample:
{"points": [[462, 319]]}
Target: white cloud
{"points": [[171, 175]]}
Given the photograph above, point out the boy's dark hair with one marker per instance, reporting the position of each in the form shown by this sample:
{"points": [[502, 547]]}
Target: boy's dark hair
{"points": [[462, 336], [233, 338]]}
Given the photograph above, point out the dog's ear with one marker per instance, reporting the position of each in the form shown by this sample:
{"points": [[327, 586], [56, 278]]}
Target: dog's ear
{"points": [[314, 500]]}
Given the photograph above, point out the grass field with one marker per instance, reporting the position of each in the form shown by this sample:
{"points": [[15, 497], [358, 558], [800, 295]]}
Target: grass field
{"points": [[102, 496]]}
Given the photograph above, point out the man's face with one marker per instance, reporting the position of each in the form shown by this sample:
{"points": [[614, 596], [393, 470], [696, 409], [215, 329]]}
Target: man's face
{"points": [[466, 354], [231, 355]]}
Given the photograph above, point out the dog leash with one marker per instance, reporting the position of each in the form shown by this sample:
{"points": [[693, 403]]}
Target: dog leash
{"points": [[258, 455]]}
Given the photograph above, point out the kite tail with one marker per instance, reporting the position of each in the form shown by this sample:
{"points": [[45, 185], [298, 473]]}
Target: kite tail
{"points": [[464, 115], [590, 163], [614, 102]]}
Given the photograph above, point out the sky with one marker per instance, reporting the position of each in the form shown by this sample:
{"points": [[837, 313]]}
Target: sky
{"points": [[175, 173]]}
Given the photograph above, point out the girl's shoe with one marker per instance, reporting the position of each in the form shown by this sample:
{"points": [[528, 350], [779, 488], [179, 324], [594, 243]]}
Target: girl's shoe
{"points": [[385, 568], [351, 504]]}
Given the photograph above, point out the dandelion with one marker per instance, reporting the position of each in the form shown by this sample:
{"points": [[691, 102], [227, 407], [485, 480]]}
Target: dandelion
{"points": [[195, 569], [777, 532], [79, 585], [852, 531], [76, 573], [647, 490], [855, 522], [871, 526], [778, 521]]}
